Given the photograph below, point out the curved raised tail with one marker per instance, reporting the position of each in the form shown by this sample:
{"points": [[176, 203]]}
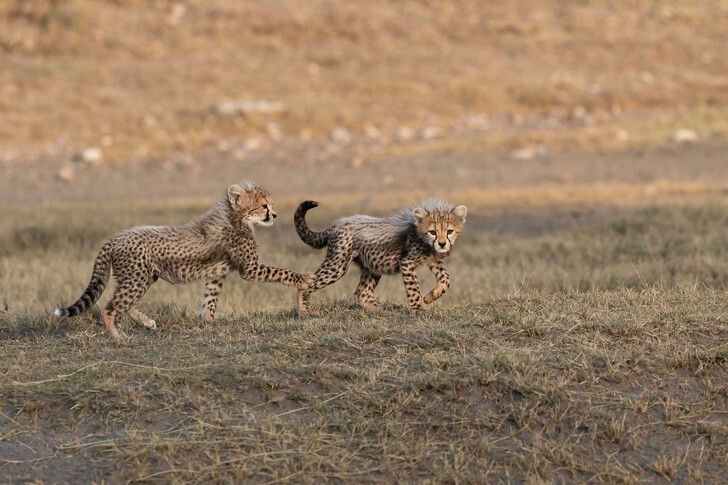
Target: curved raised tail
{"points": [[99, 278], [316, 240]]}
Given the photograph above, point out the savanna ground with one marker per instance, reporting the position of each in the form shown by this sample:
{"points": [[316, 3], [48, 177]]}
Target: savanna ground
{"points": [[585, 336]]}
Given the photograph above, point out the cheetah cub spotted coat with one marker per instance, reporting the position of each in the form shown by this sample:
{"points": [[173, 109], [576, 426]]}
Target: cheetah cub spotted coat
{"points": [[209, 247], [384, 246]]}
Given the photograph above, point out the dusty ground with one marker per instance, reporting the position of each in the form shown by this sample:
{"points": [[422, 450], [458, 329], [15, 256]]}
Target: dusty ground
{"points": [[293, 170]]}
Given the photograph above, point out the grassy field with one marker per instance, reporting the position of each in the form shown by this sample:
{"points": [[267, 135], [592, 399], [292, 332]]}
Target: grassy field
{"points": [[580, 344]]}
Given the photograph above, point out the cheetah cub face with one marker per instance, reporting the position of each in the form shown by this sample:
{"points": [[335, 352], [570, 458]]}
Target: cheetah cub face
{"points": [[251, 204], [439, 229]]}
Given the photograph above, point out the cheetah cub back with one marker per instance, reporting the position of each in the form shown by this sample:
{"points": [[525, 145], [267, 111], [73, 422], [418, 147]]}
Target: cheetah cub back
{"points": [[384, 246], [209, 247]]}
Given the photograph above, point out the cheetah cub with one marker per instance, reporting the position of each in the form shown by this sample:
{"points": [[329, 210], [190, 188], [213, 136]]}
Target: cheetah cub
{"points": [[209, 247], [384, 246]]}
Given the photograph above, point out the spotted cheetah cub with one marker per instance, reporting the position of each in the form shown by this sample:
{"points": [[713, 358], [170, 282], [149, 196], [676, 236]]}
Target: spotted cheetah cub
{"points": [[384, 246], [209, 247]]}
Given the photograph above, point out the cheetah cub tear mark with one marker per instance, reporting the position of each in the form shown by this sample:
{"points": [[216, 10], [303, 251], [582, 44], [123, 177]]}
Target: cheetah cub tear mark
{"points": [[384, 246], [210, 247]]}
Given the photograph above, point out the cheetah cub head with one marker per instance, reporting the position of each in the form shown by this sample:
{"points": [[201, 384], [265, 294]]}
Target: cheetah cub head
{"points": [[251, 203], [440, 227]]}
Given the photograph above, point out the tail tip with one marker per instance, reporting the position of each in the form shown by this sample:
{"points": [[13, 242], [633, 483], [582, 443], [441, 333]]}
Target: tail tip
{"points": [[60, 312], [308, 204]]}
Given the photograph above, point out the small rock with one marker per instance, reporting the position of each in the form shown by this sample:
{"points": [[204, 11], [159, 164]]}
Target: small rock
{"points": [[523, 154], [332, 148], [622, 135], [388, 179], [579, 113], [107, 140], [92, 156], [371, 132], [685, 136], [478, 122], [647, 77], [650, 190], [529, 153], [66, 173], [175, 16], [431, 132], [405, 133], [340, 135], [594, 88], [246, 107], [252, 144], [274, 131], [357, 162]]}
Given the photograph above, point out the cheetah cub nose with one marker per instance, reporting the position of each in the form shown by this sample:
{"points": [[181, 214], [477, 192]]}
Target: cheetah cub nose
{"points": [[442, 244]]}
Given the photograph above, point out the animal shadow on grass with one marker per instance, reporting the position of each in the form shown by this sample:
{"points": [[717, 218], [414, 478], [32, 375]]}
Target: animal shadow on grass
{"points": [[36, 327], [31, 327]]}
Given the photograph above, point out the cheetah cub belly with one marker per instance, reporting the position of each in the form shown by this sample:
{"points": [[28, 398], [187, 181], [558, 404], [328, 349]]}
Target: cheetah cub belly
{"points": [[384, 246], [211, 246]]}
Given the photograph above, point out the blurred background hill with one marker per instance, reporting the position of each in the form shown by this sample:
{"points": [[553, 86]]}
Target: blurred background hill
{"points": [[118, 81]]}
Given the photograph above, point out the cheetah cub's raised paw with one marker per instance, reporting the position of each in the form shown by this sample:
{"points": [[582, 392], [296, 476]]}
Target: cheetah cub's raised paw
{"points": [[305, 281]]}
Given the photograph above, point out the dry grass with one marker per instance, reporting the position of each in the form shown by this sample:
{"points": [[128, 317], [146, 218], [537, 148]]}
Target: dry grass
{"points": [[596, 352], [140, 77], [614, 386], [46, 255], [583, 339]]}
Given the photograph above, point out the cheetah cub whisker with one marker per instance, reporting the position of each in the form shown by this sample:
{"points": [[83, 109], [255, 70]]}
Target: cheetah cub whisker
{"points": [[209, 247], [384, 246]]}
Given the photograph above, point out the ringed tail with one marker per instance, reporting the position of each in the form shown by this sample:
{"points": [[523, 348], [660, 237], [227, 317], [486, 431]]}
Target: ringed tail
{"points": [[316, 240], [99, 278]]}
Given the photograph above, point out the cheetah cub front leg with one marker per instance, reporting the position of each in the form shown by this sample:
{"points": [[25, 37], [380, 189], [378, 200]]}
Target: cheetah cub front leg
{"points": [[411, 286], [443, 281], [142, 319]]}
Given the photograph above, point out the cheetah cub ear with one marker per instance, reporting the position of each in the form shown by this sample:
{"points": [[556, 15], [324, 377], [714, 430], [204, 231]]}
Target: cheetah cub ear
{"points": [[460, 211], [420, 215], [236, 196]]}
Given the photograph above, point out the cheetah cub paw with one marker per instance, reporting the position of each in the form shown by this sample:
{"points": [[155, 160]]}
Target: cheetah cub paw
{"points": [[304, 281]]}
